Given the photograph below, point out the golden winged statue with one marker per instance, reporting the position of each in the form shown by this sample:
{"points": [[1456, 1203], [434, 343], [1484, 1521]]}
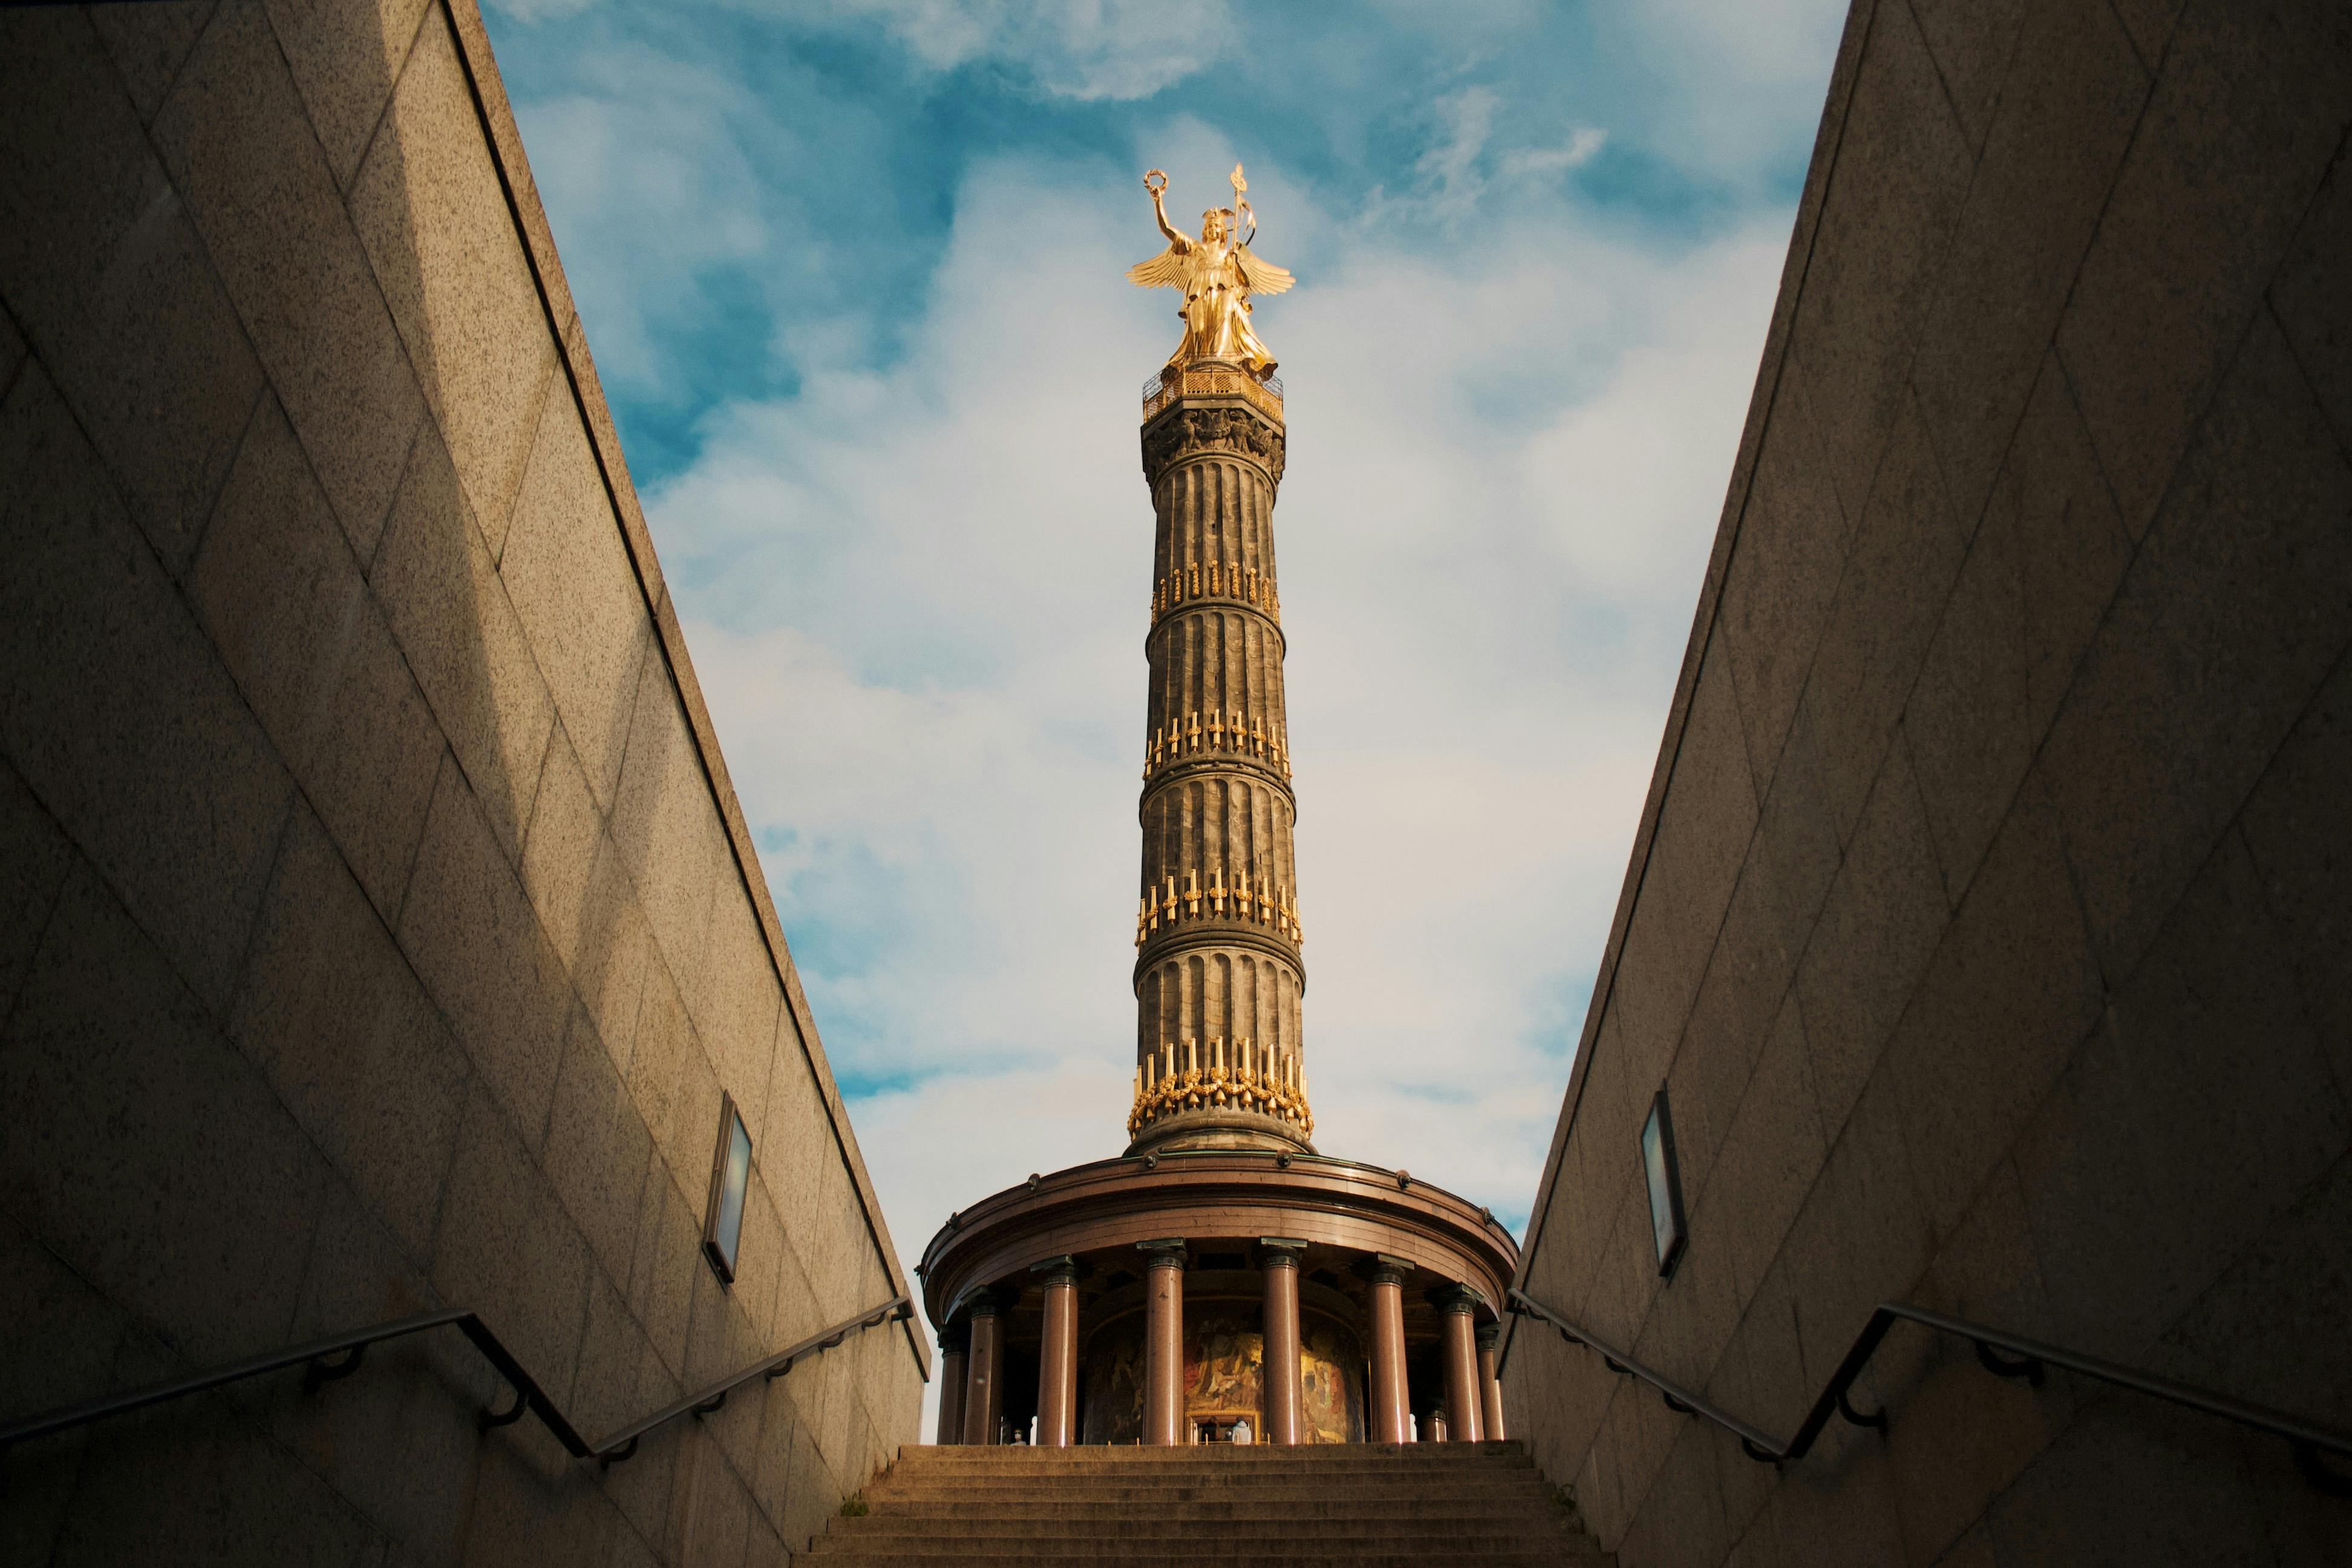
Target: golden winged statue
{"points": [[1218, 275]]}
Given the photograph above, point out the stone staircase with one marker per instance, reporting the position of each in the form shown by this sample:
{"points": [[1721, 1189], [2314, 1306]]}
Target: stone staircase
{"points": [[1387, 1505]]}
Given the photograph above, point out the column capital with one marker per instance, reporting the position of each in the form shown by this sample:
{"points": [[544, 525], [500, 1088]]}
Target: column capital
{"points": [[1380, 1268], [955, 1334], [1062, 1270], [1457, 1298], [1167, 1252], [1279, 1251], [1490, 1335], [986, 1302]]}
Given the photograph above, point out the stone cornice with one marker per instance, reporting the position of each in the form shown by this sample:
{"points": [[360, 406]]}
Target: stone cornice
{"points": [[1164, 944], [1210, 762], [1192, 607]]}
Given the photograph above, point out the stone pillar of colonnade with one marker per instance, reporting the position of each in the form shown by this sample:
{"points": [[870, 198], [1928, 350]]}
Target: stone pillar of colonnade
{"points": [[1386, 1420], [1218, 976], [1057, 1355], [1490, 1385], [1163, 1341], [1459, 1354], [1286, 1395], [983, 1395], [954, 1341]]}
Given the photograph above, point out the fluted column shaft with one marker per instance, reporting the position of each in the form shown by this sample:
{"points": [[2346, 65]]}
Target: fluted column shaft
{"points": [[1219, 977]]}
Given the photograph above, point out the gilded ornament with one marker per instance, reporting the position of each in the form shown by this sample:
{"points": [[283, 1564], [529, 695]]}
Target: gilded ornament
{"points": [[1218, 273]]}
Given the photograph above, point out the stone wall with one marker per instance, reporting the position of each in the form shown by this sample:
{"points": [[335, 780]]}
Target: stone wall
{"points": [[1987, 921], [378, 927]]}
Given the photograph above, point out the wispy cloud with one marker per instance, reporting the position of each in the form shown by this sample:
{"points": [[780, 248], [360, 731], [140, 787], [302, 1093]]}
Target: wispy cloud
{"points": [[1085, 49]]}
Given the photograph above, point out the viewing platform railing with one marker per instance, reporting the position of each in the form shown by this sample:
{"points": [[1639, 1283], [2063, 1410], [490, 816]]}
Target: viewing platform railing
{"points": [[1212, 379]]}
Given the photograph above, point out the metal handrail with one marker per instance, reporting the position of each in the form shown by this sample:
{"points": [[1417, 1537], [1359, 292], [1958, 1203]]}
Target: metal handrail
{"points": [[2308, 1438], [316, 1360], [1201, 378], [1157, 385]]}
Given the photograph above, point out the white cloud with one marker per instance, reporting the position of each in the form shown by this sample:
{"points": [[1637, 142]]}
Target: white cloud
{"points": [[918, 604], [1549, 163], [1744, 78], [1085, 50], [1455, 173], [541, 10]]}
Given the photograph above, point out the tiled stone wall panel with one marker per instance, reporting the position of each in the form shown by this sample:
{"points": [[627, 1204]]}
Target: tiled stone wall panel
{"points": [[1973, 44], [331, 1012], [2070, 102], [242, 154], [2305, 864], [33, 859], [2310, 303], [598, 1150], [1905, 558], [117, 713], [435, 220], [102, 1126], [1875, 259], [150, 43], [2040, 572], [2029, 1000], [2230, 616], [378, 930], [2248, 111], [345, 56], [1877, 930], [100, 265], [450, 613], [285, 604], [576, 595], [469, 930]]}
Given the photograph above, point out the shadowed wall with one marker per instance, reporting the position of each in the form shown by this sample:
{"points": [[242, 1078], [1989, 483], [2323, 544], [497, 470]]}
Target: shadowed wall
{"points": [[378, 927], [1987, 923]]}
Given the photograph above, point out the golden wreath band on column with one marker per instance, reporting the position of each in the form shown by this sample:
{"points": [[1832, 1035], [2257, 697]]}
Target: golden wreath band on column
{"points": [[1243, 1076], [1269, 904], [1195, 734], [1217, 580]]}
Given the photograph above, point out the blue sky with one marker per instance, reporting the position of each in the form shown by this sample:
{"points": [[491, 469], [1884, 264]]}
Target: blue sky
{"points": [[852, 275]]}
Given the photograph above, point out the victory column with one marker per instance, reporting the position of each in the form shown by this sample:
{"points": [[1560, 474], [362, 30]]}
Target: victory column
{"points": [[1222, 1270]]}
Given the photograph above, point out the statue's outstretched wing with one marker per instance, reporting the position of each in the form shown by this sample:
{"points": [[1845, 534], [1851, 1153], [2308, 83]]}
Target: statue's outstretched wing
{"points": [[1169, 269], [1261, 276]]}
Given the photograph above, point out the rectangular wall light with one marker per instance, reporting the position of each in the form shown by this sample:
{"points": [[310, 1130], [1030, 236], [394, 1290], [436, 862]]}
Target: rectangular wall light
{"points": [[730, 1179], [1665, 1182]]}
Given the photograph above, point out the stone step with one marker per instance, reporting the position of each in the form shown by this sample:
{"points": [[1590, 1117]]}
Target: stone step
{"points": [[1267, 1536], [1358, 1506], [1223, 1454], [1202, 1491], [1391, 1465], [873, 1555], [1237, 1451], [1097, 1526], [1043, 1510]]}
